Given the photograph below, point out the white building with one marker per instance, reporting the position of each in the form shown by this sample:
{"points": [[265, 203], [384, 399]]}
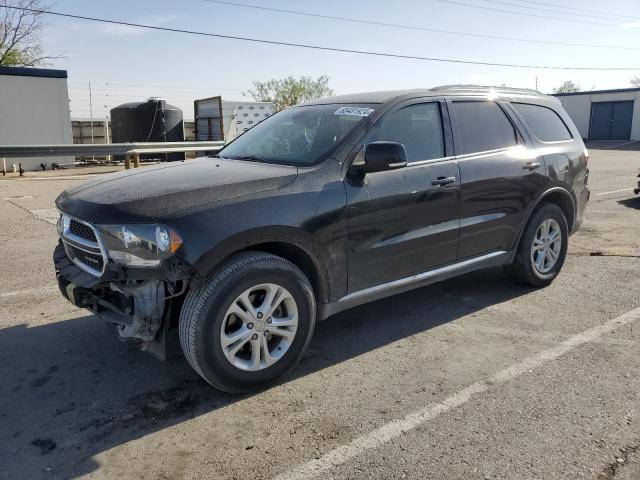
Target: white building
{"points": [[605, 114], [34, 110]]}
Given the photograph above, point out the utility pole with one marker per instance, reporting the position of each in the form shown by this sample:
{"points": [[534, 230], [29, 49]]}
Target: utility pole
{"points": [[91, 116], [536, 82], [106, 134]]}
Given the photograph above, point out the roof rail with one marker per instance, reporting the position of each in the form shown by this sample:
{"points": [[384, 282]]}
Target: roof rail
{"points": [[486, 88]]}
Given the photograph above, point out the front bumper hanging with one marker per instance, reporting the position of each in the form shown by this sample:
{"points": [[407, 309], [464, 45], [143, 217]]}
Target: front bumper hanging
{"points": [[138, 307]]}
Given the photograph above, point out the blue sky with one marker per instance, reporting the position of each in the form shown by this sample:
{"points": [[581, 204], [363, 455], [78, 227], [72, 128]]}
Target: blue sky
{"points": [[127, 64]]}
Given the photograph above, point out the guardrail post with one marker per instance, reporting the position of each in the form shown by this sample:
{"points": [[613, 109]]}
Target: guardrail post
{"points": [[136, 160], [127, 161]]}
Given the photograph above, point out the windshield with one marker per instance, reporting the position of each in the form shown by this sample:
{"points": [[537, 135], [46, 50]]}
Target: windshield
{"points": [[298, 135]]}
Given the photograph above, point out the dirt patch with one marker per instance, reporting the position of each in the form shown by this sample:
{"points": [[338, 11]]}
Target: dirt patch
{"points": [[622, 458], [45, 445]]}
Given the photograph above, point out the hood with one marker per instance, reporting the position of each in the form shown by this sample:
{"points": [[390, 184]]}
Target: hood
{"points": [[156, 193]]}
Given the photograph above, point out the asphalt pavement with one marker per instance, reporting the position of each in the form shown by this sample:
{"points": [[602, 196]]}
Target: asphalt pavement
{"points": [[473, 378]]}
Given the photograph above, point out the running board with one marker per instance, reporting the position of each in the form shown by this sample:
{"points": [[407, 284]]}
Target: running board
{"points": [[405, 284]]}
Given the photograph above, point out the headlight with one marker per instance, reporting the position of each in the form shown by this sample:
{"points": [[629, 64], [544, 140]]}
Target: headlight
{"points": [[140, 245]]}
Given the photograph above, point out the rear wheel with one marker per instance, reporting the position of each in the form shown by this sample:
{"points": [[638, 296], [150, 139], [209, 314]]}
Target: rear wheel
{"points": [[249, 324], [543, 247]]}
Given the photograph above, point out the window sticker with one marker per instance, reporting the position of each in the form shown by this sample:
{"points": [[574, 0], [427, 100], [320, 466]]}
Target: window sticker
{"points": [[356, 111]]}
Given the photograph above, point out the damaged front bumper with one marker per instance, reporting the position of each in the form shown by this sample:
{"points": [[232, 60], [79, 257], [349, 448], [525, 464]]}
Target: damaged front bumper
{"points": [[138, 301]]}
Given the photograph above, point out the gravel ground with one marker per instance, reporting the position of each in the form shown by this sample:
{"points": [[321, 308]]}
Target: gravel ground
{"points": [[75, 402]]}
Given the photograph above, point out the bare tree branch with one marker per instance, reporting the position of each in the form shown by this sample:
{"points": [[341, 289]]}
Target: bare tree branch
{"points": [[20, 28]]}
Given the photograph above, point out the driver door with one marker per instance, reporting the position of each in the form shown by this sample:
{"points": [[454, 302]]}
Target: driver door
{"points": [[405, 221]]}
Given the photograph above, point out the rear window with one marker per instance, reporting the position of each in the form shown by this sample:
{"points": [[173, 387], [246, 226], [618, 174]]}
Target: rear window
{"points": [[545, 123], [483, 126]]}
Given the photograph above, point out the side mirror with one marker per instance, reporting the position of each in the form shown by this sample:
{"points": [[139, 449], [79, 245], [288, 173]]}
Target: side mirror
{"points": [[381, 156]]}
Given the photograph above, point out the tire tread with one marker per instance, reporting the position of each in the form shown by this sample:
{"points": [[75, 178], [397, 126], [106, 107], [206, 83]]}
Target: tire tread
{"points": [[190, 315]]}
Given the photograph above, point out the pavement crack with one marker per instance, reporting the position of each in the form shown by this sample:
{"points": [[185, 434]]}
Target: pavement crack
{"points": [[600, 253]]}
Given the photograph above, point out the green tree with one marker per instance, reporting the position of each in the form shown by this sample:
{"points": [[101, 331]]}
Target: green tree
{"points": [[635, 81], [567, 87], [20, 30], [290, 91]]}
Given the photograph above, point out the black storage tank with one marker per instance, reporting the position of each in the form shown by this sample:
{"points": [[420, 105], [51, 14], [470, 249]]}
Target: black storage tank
{"points": [[151, 121]]}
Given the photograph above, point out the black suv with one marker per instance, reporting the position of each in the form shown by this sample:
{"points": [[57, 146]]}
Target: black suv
{"points": [[317, 209]]}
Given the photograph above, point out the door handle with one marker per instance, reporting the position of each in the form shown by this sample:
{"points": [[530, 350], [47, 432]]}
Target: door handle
{"points": [[531, 166], [442, 181]]}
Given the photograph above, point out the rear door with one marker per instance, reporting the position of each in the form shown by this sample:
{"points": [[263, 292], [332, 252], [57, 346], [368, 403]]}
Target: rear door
{"points": [[405, 221], [498, 180]]}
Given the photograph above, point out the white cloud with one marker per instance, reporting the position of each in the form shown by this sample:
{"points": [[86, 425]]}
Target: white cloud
{"points": [[631, 25]]}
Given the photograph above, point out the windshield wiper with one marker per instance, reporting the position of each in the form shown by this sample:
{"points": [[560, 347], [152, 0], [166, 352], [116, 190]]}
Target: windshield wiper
{"points": [[251, 158]]}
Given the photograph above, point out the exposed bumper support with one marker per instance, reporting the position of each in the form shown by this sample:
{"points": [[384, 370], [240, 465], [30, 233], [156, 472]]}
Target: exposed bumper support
{"points": [[139, 307]]}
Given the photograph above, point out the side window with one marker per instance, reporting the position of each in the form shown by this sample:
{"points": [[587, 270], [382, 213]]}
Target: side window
{"points": [[418, 127], [545, 123], [483, 126]]}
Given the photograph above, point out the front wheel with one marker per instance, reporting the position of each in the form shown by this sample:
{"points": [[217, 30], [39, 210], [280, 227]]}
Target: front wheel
{"points": [[543, 247], [250, 323]]}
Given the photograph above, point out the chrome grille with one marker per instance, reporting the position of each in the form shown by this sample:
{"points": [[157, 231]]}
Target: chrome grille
{"points": [[82, 244], [92, 260], [82, 230]]}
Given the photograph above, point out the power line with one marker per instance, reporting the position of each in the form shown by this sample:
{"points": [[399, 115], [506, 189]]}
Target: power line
{"points": [[417, 28], [156, 85], [546, 17], [319, 47], [541, 9], [622, 17]]}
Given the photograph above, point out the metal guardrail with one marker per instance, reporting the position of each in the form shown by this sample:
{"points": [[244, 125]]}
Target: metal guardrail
{"points": [[15, 151], [131, 151]]}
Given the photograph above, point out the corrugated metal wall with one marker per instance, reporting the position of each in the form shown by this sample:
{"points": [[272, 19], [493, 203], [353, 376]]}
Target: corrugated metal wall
{"points": [[579, 108]]}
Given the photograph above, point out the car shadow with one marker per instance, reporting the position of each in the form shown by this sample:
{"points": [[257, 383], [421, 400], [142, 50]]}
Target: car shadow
{"points": [[633, 202], [69, 390]]}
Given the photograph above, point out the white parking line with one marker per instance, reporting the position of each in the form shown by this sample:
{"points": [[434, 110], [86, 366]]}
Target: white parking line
{"points": [[396, 428], [614, 191], [18, 293]]}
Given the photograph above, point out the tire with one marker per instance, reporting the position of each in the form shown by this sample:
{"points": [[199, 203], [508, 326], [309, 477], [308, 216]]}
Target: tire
{"points": [[524, 268], [205, 322]]}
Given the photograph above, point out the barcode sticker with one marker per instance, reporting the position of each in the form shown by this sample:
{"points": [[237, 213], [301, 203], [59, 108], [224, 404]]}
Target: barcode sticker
{"points": [[356, 111]]}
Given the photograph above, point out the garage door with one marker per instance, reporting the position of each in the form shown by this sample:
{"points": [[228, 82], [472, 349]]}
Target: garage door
{"points": [[611, 120]]}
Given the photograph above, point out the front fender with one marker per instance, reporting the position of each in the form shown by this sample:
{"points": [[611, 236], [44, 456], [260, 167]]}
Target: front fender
{"points": [[327, 270]]}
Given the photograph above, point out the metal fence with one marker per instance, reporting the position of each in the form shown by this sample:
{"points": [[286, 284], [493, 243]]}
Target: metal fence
{"points": [[131, 151]]}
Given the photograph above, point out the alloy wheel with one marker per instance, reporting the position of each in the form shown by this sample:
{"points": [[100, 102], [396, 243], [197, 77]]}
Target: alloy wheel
{"points": [[259, 327], [546, 246]]}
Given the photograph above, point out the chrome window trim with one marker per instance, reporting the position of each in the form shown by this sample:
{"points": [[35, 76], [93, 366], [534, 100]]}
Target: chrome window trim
{"points": [[431, 160]]}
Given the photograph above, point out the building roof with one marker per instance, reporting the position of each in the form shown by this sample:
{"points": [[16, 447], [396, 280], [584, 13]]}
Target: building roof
{"points": [[595, 92], [449, 90], [33, 72]]}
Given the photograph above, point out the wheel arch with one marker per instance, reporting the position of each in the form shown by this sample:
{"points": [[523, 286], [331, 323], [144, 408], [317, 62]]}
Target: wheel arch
{"points": [[559, 196], [289, 243], [562, 198]]}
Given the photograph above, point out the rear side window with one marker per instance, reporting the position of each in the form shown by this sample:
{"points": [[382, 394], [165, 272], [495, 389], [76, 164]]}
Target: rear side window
{"points": [[418, 127], [483, 126], [545, 123]]}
